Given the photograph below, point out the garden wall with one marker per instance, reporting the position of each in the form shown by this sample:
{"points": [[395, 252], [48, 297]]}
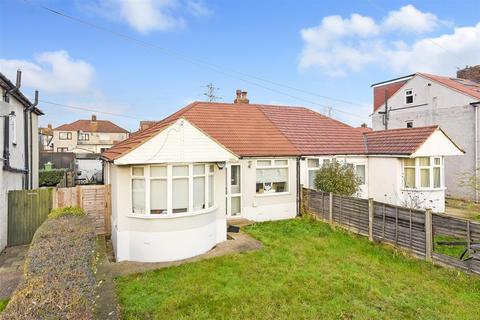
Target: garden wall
{"points": [[438, 238], [58, 273]]}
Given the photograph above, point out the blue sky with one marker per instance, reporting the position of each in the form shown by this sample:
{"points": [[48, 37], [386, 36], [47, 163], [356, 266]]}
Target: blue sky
{"points": [[333, 49]]}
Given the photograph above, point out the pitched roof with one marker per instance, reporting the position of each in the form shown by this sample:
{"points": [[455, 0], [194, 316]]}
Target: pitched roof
{"points": [[403, 141], [91, 126], [262, 130], [7, 84], [468, 87]]}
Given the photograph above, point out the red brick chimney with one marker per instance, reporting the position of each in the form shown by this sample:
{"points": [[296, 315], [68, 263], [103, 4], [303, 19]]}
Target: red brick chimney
{"points": [[241, 97], [470, 73], [94, 117]]}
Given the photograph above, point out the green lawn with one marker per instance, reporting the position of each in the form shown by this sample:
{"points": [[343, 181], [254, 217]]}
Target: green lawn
{"points": [[3, 304], [305, 271], [450, 250]]}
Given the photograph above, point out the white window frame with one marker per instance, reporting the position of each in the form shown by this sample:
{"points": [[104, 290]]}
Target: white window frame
{"points": [[273, 165], [13, 129], [69, 135], [83, 136], [431, 167], [409, 93], [314, 168], [170, 178]]}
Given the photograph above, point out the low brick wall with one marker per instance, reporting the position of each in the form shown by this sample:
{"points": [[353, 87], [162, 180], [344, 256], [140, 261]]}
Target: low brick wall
{"points": [[59, 279]]}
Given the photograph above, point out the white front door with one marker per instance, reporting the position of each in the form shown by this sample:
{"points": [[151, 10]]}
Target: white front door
{"points": [[234, 190]]}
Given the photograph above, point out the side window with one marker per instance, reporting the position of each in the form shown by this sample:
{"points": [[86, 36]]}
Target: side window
{"points": [[409, 96], [409, 124], [65, 136]]}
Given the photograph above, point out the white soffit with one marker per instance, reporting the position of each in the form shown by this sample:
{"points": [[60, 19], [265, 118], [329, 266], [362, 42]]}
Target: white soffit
{"points": [[438, 144], [181, 142]]}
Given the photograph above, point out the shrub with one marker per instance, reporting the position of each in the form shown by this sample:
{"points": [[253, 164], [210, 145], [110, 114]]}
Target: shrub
{"points": [[58, 280], [66, 211], [337, 178], [50, 178]]}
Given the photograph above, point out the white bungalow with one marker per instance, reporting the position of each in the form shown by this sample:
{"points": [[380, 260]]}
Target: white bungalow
{"points": [[175, 184]]}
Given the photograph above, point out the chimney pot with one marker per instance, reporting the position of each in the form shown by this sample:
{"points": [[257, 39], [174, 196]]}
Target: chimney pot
{"points": [[241, 97], [470, 73], [364, 125], [94, 117], [49, 126]]}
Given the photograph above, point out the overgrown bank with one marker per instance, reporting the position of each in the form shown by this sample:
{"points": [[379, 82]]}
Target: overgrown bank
{"points": [[59, 279]]}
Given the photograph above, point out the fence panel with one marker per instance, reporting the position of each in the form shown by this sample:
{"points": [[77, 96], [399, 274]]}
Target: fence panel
{"points": [[27, 210]]}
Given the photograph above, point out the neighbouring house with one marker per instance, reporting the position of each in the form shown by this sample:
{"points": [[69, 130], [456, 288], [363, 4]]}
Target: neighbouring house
{"points": [[45, 136], [87, 136], [19, 138], [422, 99], [175, 184]]}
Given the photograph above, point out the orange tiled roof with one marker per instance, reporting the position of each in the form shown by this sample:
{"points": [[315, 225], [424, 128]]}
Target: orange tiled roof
{"points": [[263, 130], [468, 87], [92, 126]]}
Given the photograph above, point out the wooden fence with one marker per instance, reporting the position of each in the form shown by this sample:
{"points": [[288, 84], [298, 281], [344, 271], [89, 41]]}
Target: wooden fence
{"points": [[408, 229], [94, 199], [27, 209]]}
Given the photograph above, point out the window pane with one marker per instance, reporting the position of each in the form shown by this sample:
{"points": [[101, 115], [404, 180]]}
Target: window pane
{"points": [[281, 162], [311, 178], [425, 178], [436, 178], [313, 163], [424, 161], [137, 171], [211, 168], [211, 192], [263, 163], [409, 178], [180, 171], [235, 206], [158, 171], [158, 196], [199, 169], [180, 195], [326, 162], [235, 179], [361, 173], [272, 175], [198, 193], [437, 161], [138, 196], [409, 162]]}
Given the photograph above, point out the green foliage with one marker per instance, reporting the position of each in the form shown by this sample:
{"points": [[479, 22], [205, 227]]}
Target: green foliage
{"points": [[66, 211], [50, 178], [3, 304], [337, 178], [306, 270]]}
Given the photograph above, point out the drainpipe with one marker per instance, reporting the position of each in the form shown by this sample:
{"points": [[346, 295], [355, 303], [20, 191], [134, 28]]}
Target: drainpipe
{"points": [[30, 166], [298, 187], [17, 86], [475, 105]]}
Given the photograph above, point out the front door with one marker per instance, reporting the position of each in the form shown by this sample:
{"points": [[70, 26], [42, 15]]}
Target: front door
{"points": [[234, 190]]}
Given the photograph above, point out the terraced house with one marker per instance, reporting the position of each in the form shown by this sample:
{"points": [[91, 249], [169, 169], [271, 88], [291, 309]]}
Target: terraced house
{"points": [[176, 183]]}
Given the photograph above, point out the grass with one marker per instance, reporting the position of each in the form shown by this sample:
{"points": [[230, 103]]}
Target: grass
{"points": [[3, 304], [305, 271], [465, 209], [452, 251]]}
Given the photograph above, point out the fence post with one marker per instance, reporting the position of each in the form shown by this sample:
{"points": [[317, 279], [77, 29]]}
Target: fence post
{"points": [[428, 235], [330, 208], [370, 219], [79, 196]]}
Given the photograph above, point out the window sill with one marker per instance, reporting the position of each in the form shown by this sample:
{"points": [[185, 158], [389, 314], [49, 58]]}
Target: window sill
{"points": [[171, 216], [423, 190], [272, 194]]}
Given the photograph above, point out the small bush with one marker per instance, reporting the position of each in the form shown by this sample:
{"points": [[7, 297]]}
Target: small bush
{"points": [[66, 211], [337, 178], [50, 178]]}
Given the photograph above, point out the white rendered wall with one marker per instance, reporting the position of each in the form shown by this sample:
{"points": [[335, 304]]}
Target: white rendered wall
{"points": [[163, 238], [266, 207]]}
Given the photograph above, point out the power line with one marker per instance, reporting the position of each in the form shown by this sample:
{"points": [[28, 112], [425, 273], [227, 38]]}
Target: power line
{"points": [[201, 63], [89, 109]]}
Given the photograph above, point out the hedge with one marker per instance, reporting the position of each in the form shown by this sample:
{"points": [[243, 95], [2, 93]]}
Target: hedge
{"points": [[58, 278], [50, 178]]}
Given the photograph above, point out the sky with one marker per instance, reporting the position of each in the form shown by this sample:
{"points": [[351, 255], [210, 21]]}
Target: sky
{"points": [[132, 60]]}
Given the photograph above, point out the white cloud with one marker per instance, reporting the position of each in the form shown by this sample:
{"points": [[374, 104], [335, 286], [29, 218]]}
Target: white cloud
{"points": [[145, 16], [408, 18], [53, 71], [339, 46]]}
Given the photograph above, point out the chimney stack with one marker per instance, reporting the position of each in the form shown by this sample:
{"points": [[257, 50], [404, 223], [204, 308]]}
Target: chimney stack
{"points": [[94, 117], [49, 126], [470, 73], [241, 97]]}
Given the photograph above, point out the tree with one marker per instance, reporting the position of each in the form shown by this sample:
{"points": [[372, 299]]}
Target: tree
{"points": [[470, 180], [337, 178]]}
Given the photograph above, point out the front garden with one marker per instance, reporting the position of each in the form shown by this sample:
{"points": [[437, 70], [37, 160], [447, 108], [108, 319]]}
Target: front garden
{"points": [[305, 271]]}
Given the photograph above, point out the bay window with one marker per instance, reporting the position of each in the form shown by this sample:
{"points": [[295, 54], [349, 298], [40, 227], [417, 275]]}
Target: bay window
{"points": [[423, 173], [272, 176], [171, 189]]}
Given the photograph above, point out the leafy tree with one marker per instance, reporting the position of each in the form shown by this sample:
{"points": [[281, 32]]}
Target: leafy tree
{"points": [[337, 178], [470, 180]]}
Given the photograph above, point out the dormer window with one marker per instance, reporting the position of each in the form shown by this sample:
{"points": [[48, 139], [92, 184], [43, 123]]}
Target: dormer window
{"points": [[408, 96]]}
